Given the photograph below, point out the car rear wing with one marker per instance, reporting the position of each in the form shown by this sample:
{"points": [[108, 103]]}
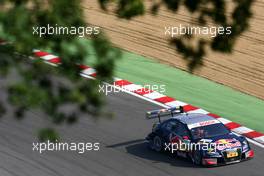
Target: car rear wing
{"points": [[164, 112]]}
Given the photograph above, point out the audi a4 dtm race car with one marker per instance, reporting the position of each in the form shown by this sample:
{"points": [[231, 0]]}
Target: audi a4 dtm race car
{"points": [[202, 138]]}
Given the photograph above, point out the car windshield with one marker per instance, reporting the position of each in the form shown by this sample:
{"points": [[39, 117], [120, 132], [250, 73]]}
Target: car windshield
{"points": [[209, 131]]}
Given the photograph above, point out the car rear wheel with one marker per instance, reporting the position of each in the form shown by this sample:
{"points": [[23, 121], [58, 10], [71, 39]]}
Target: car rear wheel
{"points": [[157, 144]]}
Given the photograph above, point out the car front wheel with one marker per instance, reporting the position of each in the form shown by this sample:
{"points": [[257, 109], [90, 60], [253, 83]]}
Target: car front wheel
{"points": [[196, 158]]}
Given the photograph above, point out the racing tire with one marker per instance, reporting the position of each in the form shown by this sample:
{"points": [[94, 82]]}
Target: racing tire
{"points": [[197, 158], [157, 144], [150, 145]]}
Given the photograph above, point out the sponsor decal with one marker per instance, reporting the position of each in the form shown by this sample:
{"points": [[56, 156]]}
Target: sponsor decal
{"points": [[204, 123], [223, 144]]}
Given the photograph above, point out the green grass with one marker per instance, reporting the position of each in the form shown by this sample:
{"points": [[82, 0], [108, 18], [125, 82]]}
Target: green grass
{"points": [[213, 97]]}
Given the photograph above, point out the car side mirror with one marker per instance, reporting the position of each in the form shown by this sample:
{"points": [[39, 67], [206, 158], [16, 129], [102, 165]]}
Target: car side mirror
{"points": [[186, 140], [185, 137]]}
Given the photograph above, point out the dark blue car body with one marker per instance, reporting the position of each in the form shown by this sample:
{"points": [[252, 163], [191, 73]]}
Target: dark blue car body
{"points": [[181, 129]]}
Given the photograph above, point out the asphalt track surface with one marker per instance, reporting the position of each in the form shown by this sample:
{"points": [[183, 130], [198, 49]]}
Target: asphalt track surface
{"points": [[122, 152]]}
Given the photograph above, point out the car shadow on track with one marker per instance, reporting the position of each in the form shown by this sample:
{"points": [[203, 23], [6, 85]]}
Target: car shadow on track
{"points": [[139, 149]]}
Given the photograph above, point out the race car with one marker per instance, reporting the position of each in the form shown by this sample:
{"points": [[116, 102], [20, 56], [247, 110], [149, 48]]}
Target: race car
{"points": [[199, 137]]}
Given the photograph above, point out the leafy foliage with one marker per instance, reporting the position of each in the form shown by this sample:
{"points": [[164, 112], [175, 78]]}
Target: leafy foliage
{"points": [[48, 134], [204, 11], [43, 87]]}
